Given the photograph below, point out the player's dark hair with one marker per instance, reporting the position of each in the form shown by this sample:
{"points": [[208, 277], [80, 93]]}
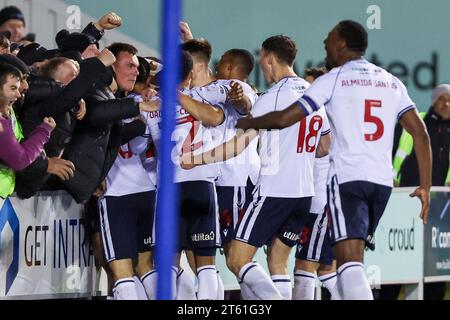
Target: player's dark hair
{"points": [[283, 47], [243, 58], [186, 65], [144, 70], [199, 49], [315, 72], [354, 35]]}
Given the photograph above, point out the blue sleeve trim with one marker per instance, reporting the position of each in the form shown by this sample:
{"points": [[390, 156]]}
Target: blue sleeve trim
{"points": [[303, 107], [401, 113], [311, 102]]}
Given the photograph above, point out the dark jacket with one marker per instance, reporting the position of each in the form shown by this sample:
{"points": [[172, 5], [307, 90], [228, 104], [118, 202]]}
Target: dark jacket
{"points": [[47, 98], [97, 139], [439, 131], [91, 30]]}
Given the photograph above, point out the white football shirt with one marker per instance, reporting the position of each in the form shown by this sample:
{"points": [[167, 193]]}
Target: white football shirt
{"points": [[321, 167], [149, 156], [287, 155], [190, 135], [127, 175], [363, 103], [145, 145], [235, 171], [215, 94]]}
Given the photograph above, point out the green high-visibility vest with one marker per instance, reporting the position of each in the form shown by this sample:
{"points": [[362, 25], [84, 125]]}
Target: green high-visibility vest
{"points": [[405, 147], [7, 175]]}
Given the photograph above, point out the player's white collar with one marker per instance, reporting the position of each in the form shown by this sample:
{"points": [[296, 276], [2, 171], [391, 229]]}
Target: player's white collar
{"points": [[286, 77]]}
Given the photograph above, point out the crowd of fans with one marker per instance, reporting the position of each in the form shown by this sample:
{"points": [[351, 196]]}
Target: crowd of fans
{"points": [[69, 99]]}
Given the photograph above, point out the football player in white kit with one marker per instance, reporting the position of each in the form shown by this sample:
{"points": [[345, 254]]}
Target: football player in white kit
{"points": [[238, 175], [363, 102], [199, 228], [314, 252], [282, 196], [232, 98], [126, 208]]}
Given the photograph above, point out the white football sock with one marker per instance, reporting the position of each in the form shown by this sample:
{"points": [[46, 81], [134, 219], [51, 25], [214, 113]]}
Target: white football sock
{"points": [[246, 292], [220, 288], [304, 285], [329, 281], [125, 289], [173, 280], [352, 282], [148, 280], [283, 284], [185, 286], [254, 276], [207, 283], [140, 290]]}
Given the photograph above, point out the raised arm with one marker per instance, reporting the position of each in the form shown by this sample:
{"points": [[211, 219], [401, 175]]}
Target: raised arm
{"points": [[20, 155], [415, 126], [225, 151], [185, 31], [107, 22], [274, 120], [101, 112], [90, 72], [312, 100]]}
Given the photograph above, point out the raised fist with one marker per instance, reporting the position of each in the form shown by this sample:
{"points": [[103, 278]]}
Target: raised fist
{"points": [[109, 21], [50, 121], [106, 57], [185, 31]]}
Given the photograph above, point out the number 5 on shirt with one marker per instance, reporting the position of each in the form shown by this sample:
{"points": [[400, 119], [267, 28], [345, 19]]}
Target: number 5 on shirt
{"points": [[368, 117]]}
